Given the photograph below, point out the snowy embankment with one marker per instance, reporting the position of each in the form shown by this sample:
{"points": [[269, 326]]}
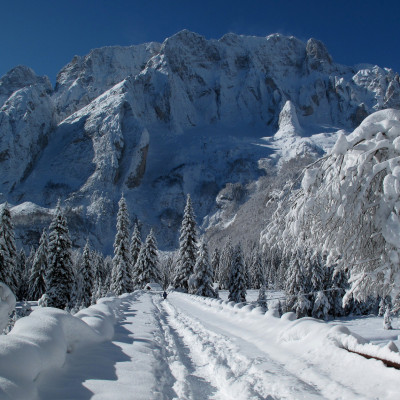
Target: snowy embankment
{"points": [[309, 355], [41, 341]]}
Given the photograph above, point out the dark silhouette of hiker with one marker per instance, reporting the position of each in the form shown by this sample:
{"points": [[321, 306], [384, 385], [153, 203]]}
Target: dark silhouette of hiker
{"points": [[164, 295]]}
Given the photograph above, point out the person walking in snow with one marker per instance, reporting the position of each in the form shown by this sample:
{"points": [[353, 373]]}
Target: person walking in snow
{"points": [[164, 295]]}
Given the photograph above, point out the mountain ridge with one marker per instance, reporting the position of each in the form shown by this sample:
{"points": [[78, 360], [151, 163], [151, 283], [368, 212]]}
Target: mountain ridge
{"points": [[159, 120]]}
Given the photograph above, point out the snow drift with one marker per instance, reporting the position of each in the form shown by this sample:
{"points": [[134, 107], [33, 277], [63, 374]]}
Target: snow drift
{"points": [[41, 341]]}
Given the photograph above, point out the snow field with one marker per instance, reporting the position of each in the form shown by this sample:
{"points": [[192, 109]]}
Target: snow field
{"points": [[139, 346], [41, 341], [307, 352]]}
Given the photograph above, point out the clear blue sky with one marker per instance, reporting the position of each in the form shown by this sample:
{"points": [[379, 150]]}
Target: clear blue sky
{"points": [[46, 34]]}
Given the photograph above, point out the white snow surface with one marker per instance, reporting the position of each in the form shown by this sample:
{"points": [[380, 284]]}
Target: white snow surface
{"points": [[189, 347], [40, 343]]}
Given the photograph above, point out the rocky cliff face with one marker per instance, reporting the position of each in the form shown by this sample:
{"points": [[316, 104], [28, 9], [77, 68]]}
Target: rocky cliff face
{"points": [[156, 121]]}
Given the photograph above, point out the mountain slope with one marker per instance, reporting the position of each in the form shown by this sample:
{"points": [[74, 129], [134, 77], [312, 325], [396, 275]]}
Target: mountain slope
{"points": [[156, 121]]}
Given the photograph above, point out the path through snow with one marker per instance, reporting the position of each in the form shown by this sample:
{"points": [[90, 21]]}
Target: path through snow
{"points": [[189, 348]]}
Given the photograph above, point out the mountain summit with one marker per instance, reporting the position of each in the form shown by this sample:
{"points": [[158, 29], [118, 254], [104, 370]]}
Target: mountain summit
{"points": [[157, 121]]}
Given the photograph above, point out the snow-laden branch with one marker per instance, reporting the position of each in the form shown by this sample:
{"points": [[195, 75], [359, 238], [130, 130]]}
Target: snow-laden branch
{"points": [[348, 207]]}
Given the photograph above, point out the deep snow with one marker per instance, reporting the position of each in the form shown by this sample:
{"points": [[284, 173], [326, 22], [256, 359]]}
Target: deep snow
{"points": [[188, 347]]}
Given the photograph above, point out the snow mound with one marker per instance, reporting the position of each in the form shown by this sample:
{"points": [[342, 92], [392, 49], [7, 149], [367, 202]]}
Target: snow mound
{"points": [[41, 341]]}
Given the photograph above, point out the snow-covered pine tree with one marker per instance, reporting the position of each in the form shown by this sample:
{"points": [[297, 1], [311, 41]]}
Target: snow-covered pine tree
{"points": [[295, 281], [121, 281], [302, 305], [147, 268], [262, 298], [257, 271], [215, 264], [8, 250], [387, 319], [339, 286], [203, 274], [85, 273], [321, 306], [237, 279], [23, 276], [136, 244], [225, 264], [153, 274], [37, 278], [108, 268], [187, 248], [59, 275]]}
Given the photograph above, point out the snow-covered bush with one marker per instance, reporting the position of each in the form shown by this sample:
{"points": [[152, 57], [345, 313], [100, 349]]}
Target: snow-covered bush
{"points": [[7, 304], [348, 207]]}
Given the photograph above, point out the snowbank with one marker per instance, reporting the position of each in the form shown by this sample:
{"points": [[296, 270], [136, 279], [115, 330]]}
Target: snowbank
{"points": [[287, 329], [42, 340]]}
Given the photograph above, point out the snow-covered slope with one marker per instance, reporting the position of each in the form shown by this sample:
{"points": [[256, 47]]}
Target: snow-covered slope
{"points": [[156, 121]]}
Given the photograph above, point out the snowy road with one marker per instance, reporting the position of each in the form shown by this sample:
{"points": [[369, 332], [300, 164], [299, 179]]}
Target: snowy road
{"points": [[189, 348]]}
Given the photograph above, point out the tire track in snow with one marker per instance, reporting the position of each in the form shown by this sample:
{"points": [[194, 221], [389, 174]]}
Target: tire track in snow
{"points": [[187, 384], [236, 376]]}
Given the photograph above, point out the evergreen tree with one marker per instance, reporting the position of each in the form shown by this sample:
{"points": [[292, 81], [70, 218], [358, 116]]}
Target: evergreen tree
{"points": [[86, 276], [339, 286], [23, 276], [215, 264], [8, 250], [237, 279], [295, 279], [37, 278], [203, 274], [262, 298], [136, 244], [121, 273], [187, 248], [302, 305], [152, 258], [225, 264], [321, 306], [59, 276], [147, 268], [387, 319], [257, 270]]}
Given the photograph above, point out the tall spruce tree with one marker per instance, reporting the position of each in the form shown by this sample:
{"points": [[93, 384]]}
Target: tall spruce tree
{"points": [[121, 273], [8, 250], [136, 244], [225, 264], [187, 248], [37, 279], [23, 273], [257, 272], [59, 276], [85, 273], [147, 265], [203, 274], [237, 278], [215, 264], [295, 282]]}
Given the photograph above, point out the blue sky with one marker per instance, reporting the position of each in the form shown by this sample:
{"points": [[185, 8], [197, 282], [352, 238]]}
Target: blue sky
{"points": [[46, 34]]}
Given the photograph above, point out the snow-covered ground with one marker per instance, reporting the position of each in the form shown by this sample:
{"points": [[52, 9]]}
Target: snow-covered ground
{"points": [[189, 347]]}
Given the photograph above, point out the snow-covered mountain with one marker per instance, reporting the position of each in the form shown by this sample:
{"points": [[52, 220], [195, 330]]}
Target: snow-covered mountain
{"points": [[156, 121]]}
